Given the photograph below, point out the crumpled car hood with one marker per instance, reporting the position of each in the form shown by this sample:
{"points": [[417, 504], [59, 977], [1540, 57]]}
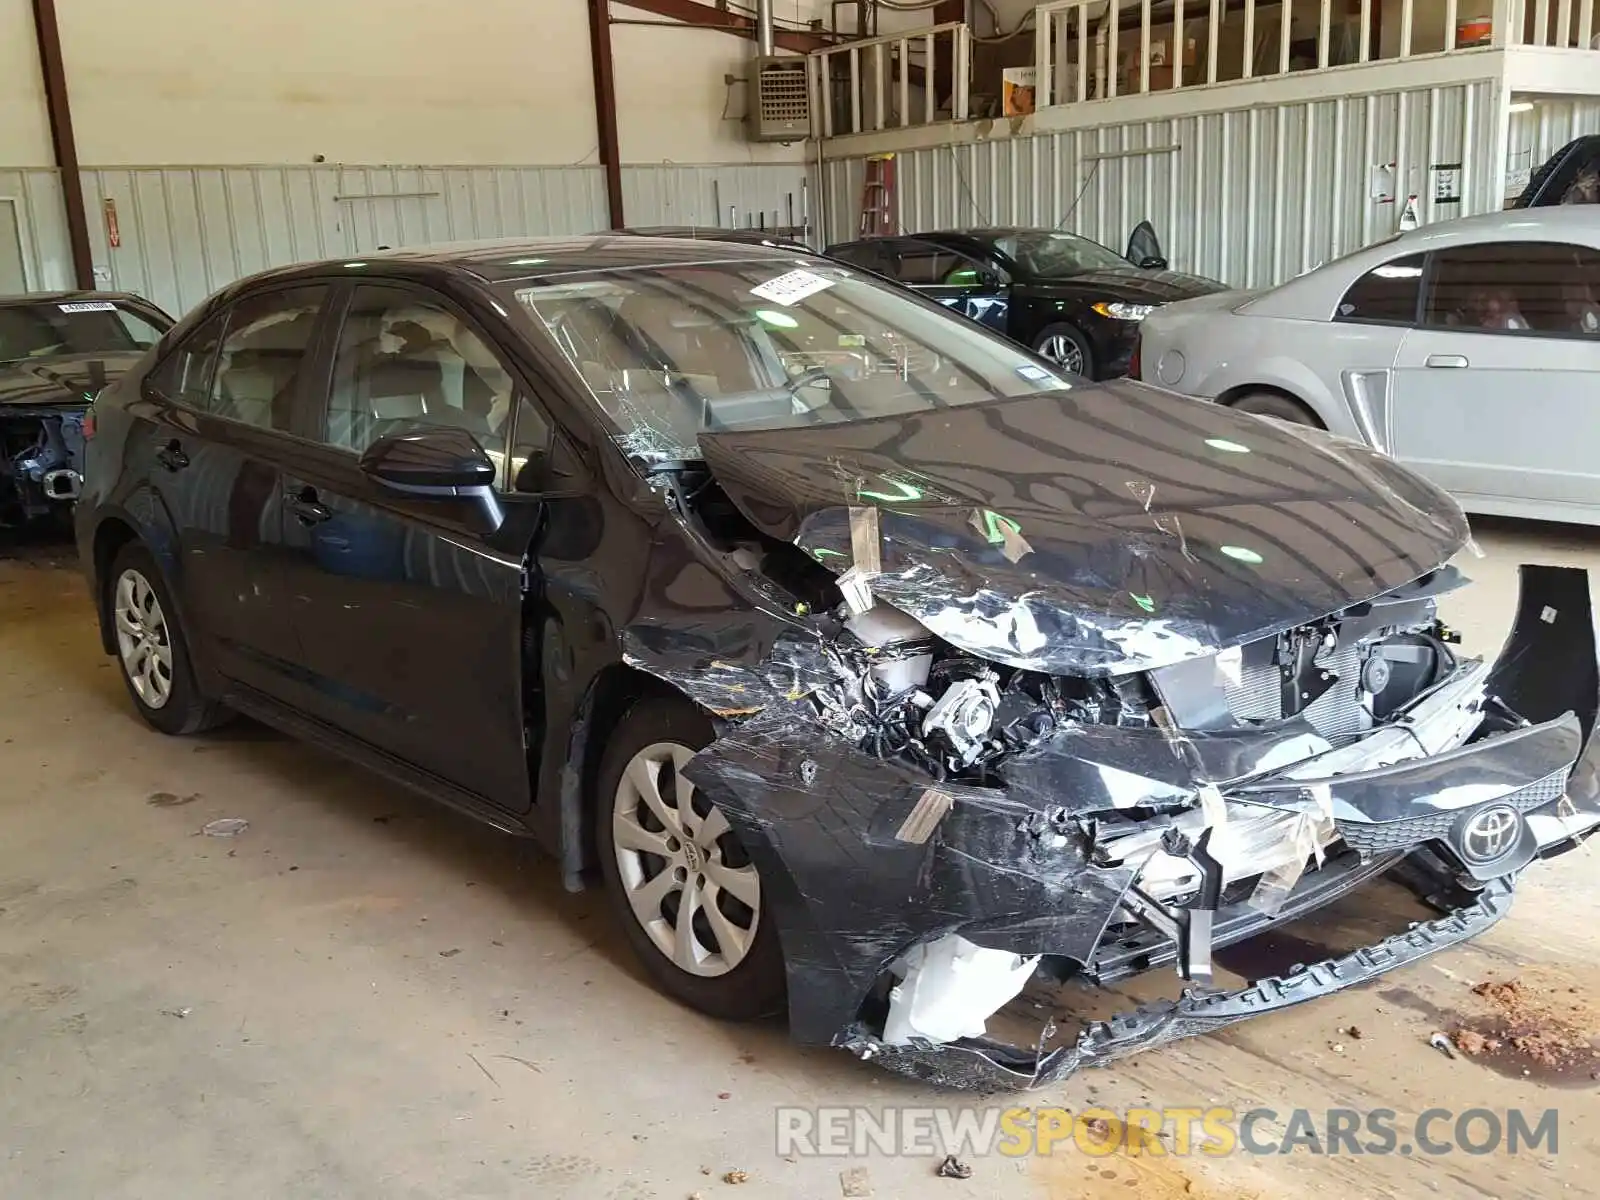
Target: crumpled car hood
{"points": [[1100, 529], [63, 379]]}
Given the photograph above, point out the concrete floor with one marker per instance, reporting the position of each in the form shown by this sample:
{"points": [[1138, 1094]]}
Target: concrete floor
{"points": [[381, 1000]]}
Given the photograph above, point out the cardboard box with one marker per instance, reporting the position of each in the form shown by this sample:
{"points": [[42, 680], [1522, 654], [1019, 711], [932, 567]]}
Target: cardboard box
{"points": [[1018, 86]]}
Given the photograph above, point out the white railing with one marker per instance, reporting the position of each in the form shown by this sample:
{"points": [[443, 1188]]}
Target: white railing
{"points": [[1082, 53], [1564, 24], [914, 78]]}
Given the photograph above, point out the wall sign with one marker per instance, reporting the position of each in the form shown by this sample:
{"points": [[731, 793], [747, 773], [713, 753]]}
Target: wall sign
{"points": [[1446, 183]]}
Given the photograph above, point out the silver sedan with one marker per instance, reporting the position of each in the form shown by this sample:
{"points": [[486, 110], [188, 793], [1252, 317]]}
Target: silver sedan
{"points": [[1468, 350]]}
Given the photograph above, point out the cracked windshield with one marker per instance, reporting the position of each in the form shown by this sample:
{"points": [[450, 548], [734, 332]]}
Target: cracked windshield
{"points": [[671, 352]]}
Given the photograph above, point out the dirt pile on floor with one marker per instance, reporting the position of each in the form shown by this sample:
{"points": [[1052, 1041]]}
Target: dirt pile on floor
{"points": [[1546, 1025]]}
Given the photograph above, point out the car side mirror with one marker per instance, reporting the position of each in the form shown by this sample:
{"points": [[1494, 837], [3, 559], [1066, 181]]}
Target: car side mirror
{"points": [[1153, 262], [438, 463]]}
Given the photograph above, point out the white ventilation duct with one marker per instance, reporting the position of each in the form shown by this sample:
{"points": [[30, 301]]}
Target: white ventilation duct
{"points": [[765, 39]]}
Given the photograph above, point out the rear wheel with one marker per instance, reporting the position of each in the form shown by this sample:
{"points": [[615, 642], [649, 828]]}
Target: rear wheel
{"points": [[1271, 404], [151, 649], [687, 894]]}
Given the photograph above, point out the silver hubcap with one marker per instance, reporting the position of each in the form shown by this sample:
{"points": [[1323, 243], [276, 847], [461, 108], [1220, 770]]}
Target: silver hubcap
{"points": [[1059, 348], [688, 881], [143, 642]]}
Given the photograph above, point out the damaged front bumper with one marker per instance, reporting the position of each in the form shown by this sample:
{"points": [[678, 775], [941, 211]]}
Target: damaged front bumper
{"points": [[977, 1063], [41, 462], [867, 867]]}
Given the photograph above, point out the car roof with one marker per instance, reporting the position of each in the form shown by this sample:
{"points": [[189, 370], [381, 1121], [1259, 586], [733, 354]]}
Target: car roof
{"points": [[711, 233], [1513, 224], [502, 260], [984, 233], [1312, 296], [67, 297]]}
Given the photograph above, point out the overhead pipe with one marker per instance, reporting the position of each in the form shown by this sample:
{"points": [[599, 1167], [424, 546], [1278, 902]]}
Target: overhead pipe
{"points": [[766, 29]]}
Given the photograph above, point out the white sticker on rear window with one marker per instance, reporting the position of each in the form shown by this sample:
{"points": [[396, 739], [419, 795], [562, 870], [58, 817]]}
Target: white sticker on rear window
{"points": [[88, 306], [791, 288]]}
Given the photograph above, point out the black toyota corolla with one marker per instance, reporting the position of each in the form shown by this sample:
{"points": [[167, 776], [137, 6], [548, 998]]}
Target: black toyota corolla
{"points": [[1070, 300], [875, 668]]}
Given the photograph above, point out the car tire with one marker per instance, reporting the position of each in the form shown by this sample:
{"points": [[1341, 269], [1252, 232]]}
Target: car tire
{"points": [[1065, 345], [652, 856], [151, 650], [1272, 404]]}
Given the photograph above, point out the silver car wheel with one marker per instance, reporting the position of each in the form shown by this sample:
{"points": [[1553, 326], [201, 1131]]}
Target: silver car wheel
{"points": [[144, 643], [699, 910], [1063, 351]]}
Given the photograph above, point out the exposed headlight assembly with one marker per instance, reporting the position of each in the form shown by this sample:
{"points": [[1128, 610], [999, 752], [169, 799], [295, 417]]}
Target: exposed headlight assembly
{"points": [[1121, 311]]}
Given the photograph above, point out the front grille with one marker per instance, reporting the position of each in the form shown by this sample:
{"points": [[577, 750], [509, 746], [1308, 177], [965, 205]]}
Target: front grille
{"points": [[1336, 714], [1384, 837]]}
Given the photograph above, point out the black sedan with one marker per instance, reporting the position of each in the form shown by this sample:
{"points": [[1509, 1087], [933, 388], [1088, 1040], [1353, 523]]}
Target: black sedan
{"points": [[57, 350], [1070, 300], [873, 665]]}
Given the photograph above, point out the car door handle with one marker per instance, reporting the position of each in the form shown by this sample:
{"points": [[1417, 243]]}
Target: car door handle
{"points": [[172, 457], [1446, 360], [308, 510]]}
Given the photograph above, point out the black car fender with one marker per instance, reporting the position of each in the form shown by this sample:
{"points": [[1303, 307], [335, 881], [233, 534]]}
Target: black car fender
{"points": [[141, 516]]}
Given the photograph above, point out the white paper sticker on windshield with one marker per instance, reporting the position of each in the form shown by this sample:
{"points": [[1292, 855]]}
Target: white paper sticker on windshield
{"points": [[791, 288], [88, 306]]}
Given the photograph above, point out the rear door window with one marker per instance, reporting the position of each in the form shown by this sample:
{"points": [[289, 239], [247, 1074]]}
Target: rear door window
{"points": [[1385, 295], [1532, 288], [869, 256], [263, 355], [923, 264], [184, 377]]}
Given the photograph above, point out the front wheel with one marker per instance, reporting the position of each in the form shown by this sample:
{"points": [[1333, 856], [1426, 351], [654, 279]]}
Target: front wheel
{"points": [[1065, 345], [688, 895], [151, 649]]}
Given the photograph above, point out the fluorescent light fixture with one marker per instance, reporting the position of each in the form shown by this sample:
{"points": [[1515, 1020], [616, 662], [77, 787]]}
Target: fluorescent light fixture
{"points": [[1520, 106]]}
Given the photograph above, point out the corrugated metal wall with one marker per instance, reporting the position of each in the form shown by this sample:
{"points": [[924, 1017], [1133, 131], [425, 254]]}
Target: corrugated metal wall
{"points": [[186, 231], [41, 226], [1249, 196], [1544, 129], [673, 195]]}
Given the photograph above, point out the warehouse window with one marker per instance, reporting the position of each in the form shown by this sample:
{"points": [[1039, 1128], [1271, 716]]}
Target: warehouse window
{"points": [[1385, 295]]}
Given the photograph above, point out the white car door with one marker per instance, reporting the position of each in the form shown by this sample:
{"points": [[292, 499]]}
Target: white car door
{"points": [[1495, 391]]}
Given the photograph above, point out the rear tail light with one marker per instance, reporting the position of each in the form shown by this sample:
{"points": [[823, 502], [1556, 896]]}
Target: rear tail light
{"points": [[88, 423]]}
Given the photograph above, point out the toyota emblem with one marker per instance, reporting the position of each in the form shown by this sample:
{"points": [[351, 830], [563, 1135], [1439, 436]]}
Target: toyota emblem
{"points": [[1488, 834]]}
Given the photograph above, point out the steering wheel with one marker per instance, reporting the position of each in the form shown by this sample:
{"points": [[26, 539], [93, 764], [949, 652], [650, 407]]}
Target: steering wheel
{"points": [[805, 379]]}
